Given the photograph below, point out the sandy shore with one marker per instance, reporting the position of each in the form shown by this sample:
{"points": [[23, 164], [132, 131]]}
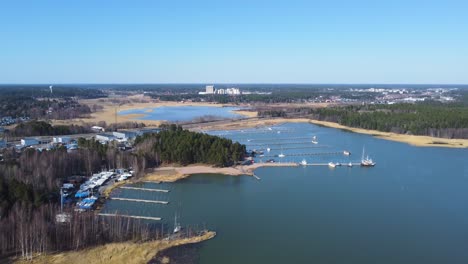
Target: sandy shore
{"points": [[116, 253], [172, 174], [420, 141], [251, 123]]}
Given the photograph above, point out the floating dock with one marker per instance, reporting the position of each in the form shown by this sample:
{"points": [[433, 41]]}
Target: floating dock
{"points": [[132, 216], [144, 189], [138, 200], [307, 154], [343, 164]]}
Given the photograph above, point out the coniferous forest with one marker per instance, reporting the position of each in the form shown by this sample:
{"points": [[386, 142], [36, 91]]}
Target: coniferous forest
{"points": [[428, 119]]}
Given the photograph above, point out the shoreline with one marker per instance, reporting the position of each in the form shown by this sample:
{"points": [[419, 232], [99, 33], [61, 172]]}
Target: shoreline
{"points": [[119, 252], [414, 140], [111, 105]]}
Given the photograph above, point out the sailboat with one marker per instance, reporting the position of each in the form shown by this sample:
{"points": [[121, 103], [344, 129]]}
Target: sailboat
{"points": [[304, 162], [177, 226], [314, 140], [366, 162], [281, 155]]}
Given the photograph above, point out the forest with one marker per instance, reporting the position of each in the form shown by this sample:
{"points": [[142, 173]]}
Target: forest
{"points": [[428, 119], [43, 128], [176, 145], [30, 180]]}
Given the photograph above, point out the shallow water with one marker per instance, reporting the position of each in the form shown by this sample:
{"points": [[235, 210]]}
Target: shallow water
{"points": [[411, 208], [182, 113]]}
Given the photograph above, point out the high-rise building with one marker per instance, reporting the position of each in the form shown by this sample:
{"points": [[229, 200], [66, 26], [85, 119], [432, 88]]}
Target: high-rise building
{"points": [[210, 89]]}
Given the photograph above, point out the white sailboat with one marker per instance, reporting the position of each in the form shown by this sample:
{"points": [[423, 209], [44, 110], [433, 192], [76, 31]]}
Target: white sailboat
{"points": [[331, 165], [366, 162], [281, 155], [314, 140], [304, 162], [177, 226]]}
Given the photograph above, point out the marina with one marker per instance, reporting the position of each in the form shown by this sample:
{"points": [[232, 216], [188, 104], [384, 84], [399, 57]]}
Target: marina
{"points": [[372, 199]]}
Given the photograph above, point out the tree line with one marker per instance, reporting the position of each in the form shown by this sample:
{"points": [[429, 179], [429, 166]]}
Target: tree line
{"points": [[428, 119], [43, 128]]}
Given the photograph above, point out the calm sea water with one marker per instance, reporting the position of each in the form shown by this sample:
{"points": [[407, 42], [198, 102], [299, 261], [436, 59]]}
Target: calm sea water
{"points": [[411, 208], [182, 113]]}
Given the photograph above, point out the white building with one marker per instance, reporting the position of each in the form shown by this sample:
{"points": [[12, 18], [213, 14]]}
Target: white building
{"points": [[98, 129], [104, 138], [233, 91], [26, 142], [210, 89], [220, 91], [125, 134], [64, 140]]}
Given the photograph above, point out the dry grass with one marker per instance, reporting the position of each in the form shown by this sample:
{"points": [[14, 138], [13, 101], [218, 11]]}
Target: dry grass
{"points": [[109, 189], [116, 253]]}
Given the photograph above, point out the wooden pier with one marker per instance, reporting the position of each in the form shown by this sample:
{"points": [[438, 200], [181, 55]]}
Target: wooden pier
{"points": [[132, 216], [284, 143], [144, 189], [306, 154], [343, 164], [138, 200]]}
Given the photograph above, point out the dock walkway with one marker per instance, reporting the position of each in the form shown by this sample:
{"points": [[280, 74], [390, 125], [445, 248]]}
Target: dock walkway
{"points": [[144, 189], [138, 200], [132, 216]]}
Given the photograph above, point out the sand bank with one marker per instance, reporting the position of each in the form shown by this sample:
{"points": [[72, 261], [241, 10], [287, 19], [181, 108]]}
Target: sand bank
{"points": [[172, 174], [126, 252]]}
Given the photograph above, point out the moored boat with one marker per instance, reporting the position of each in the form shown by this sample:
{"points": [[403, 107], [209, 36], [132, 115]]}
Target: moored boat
{"points": [[366, 162]]}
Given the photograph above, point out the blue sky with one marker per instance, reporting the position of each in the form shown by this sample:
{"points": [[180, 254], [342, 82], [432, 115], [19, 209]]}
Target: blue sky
{"points": [[170, 41]]}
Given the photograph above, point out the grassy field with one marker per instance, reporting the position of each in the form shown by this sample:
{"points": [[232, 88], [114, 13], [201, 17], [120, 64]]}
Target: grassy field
{"points": [[116, 253]]}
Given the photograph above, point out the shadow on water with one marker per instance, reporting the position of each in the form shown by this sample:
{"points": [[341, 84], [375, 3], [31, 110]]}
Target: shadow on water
{"points": [[185, 254]]}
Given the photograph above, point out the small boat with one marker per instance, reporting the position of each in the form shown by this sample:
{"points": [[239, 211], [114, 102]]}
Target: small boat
{"points": [[338, 164], [314, 140], [350, 164], [366, 162], [304, 162], [279, 132], [346, 153], [281, 155], [268, 149], [331, 165], [177, 226]]}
